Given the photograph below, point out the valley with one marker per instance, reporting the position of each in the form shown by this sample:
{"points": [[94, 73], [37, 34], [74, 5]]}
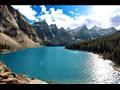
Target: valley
{"points": [[45, 45]]}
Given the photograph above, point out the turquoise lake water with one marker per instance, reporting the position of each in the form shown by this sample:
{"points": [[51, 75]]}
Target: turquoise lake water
{"points": [[61, 66]]}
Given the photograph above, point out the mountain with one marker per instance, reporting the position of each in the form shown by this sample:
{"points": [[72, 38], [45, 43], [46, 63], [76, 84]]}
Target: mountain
{"points": [[43, 31], [64, 36], [51, 35], [15, 30], [108, 46], [80, 33], [96, 31], [83, 33]]}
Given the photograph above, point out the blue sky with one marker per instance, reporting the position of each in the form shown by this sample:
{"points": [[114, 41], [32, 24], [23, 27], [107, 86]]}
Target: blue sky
{"points": [[73, 16], [67, 9]]}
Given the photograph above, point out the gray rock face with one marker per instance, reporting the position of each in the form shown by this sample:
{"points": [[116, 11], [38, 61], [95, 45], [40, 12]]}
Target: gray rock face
{"points": [[51, 35], [96, 32], [23, 25], [100, 32], [65, 37], [14, 25], [80, 33], [43, 30]]}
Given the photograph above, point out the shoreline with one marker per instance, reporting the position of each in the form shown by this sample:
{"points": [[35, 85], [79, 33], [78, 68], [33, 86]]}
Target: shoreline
{"points": [[8, 77], [5, 51], [37, 81], [115, 66]]}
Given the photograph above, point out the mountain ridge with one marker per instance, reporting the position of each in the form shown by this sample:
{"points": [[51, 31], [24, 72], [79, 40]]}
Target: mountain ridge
{"points": [[51, 35], [108, 47], [95, 32], [13, 25]]}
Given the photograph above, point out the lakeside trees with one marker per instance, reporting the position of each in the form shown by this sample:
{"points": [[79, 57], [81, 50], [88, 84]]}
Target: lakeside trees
{"points": [[109, 47]]}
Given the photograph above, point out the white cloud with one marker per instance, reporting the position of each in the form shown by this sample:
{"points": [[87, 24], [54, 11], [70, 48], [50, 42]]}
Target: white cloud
{"points": [[90, 23], [97, 15], [103, 10], [71, 12], [26, 10], [57, 17], [62, 20], [118, 27], [43, 9], [116, 20], [77, 9], [102, 14], [77, 14]]}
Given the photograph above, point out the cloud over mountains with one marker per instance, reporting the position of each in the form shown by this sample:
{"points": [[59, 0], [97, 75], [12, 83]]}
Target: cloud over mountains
{"points": [[101, 15]]}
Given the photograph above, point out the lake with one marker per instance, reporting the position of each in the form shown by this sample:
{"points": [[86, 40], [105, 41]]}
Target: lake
{"points": [[62, 66]]}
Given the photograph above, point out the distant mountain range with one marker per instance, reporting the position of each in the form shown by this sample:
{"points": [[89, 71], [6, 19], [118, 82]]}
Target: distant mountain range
{"points": [[83, 33], [51, 35], [17, 33], [108, 46]]}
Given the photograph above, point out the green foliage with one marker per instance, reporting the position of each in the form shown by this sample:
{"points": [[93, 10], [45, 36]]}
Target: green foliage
{"points": [[109, 47]]}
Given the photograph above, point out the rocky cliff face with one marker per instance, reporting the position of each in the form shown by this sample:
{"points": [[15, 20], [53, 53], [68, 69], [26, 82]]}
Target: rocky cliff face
{"points": [[51, 35], [43, 31], [14, 26], [81, 33], [84, 33], [100, 32]]}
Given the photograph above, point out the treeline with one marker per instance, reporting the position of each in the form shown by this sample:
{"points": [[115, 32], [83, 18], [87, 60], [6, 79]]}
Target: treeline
{"points": [[4, 46], [109, 47]]}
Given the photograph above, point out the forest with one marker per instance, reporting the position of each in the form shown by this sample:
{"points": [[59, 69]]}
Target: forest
{"points": [[108, 47]]}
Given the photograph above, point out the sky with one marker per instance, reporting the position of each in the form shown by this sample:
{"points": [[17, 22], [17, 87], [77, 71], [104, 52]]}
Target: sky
{"points": [[73, 16]]}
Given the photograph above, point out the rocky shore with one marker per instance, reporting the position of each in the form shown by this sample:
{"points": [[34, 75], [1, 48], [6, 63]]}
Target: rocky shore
{"points": [[8, 77], [117, 68]]}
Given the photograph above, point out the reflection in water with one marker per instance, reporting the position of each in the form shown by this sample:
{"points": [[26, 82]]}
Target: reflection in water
{"points": [[102, 71], [62, 66]]}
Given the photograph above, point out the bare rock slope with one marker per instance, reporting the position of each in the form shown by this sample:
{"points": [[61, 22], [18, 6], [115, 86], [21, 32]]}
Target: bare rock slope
{"points": [[15, 32]]}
